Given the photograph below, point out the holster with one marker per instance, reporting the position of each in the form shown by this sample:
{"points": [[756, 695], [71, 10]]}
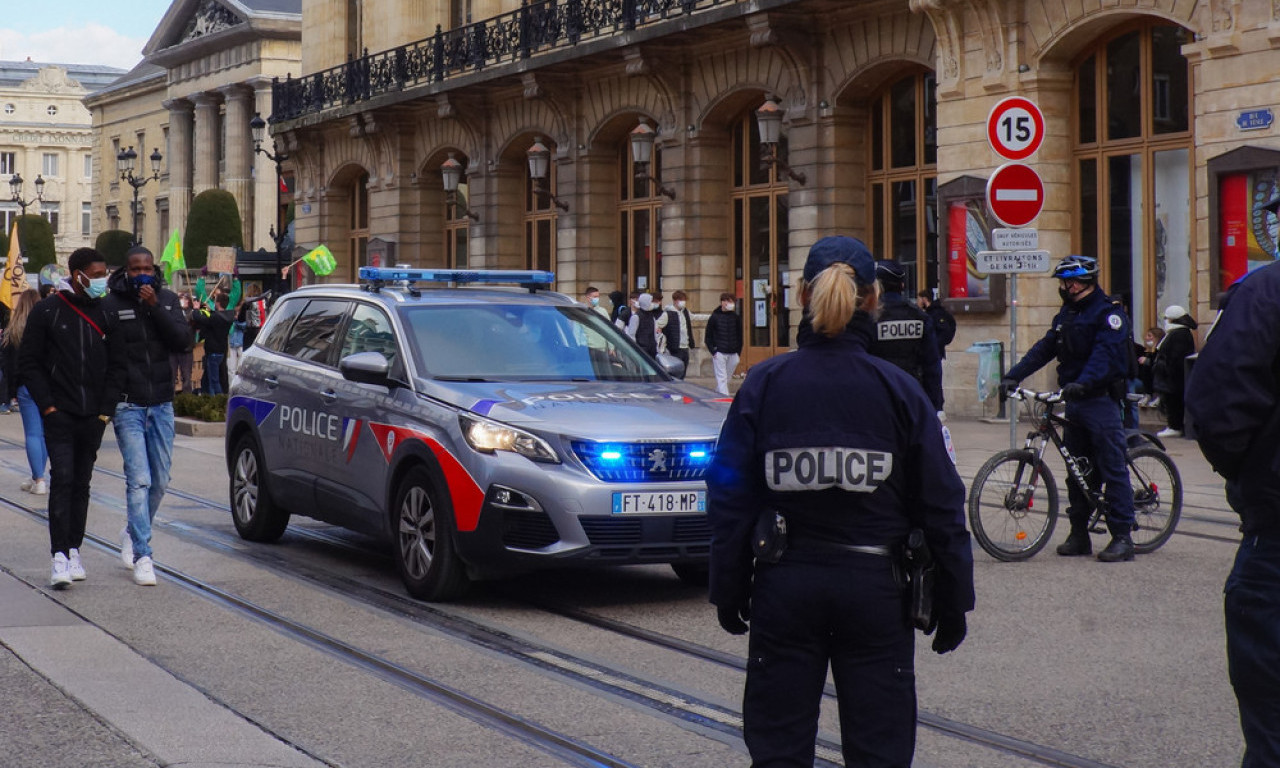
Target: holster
{"points": [[921, 574], [770, 538]]}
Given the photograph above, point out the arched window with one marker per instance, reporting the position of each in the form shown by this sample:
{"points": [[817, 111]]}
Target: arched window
{"points": [[1133, 166], [903, 178], [639, 224], [540, 221], [761, 215], [358, 237]]}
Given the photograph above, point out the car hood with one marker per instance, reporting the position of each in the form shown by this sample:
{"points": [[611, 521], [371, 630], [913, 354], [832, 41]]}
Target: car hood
{"points": [[600, 410]]}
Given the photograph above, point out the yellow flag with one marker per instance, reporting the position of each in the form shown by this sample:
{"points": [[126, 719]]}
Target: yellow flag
{"points": [[15, 277]]}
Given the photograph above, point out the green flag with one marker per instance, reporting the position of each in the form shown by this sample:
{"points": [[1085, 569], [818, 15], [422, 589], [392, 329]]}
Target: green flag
{"points": [[320, 260], [172, 261]]}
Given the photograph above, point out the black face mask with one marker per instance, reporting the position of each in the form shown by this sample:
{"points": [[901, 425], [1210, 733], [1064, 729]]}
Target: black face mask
{"points": [[1065, 294]]}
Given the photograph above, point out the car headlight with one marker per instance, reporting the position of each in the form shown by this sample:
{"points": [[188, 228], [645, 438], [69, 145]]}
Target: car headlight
{"points": [[488, 436]]}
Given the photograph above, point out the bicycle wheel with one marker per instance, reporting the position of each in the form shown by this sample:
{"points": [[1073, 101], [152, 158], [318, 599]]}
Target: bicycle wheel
{"points": [[1157, 497], [1013, 505]]}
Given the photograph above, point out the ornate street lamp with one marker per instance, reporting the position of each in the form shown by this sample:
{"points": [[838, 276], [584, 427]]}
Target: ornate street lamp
{"points": [[15, 186], [539, 165], [126, 161], [769, 121], [451, 172], [642, 137], [278, 236]]}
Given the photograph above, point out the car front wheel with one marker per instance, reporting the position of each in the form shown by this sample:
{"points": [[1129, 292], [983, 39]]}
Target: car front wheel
{"points": [[424, 548], [256, 515]]}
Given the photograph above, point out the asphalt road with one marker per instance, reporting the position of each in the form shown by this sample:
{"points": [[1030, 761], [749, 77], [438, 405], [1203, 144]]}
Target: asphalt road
{"points": [[1068, 661]]}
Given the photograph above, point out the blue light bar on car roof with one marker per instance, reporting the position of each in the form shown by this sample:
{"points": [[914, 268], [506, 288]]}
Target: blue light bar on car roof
{"points": [[517, 276]]}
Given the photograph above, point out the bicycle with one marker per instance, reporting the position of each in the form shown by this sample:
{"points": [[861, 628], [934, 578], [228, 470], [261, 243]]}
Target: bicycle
{"points": [[1013, 502]]}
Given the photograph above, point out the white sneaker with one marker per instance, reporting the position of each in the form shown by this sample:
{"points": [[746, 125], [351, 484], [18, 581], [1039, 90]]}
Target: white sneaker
{"points": [[126, 548], [74, 567], [1169, 432], [59, 574], [143, 574], [40, 487]]}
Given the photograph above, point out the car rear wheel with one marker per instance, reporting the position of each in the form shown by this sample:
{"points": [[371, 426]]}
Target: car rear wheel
{"points": [[425, 554], [255, 513]]}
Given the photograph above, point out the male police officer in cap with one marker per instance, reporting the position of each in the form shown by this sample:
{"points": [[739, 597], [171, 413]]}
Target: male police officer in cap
{"points": [[905, 335], [1090, 339], [844, 447], [1234, 396]]}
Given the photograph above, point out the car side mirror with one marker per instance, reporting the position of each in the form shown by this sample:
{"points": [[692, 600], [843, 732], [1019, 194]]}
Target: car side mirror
{"points": [[671, 364], [366, 368]]}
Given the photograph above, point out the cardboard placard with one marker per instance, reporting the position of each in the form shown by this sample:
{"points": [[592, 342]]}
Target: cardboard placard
{"points": [[222, 258]]}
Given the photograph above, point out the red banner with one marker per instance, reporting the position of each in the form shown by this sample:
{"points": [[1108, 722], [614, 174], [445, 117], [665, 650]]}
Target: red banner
{"points": [[1233, 224], [958, 251]]}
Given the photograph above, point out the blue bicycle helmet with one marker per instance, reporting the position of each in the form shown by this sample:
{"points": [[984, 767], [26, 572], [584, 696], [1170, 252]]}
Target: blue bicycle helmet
{"points": [[1075, 267]]}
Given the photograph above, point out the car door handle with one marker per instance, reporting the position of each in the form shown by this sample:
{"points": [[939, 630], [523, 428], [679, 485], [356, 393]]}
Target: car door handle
{"points": [[272, 382], [329, 396]]}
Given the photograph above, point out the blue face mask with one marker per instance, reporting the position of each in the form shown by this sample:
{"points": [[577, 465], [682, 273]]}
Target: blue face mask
{"points": [[94, 287], [137, 281]]}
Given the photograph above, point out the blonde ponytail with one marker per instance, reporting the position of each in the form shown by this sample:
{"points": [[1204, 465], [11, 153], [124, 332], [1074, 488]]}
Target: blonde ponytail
{"points": [[833, 299]]}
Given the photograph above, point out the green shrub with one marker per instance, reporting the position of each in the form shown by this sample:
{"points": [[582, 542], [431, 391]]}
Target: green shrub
{"points": [[214, 220], [112, 244], [200, 407], [36, 236]]}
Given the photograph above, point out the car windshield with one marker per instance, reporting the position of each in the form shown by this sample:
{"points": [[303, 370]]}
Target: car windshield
{"points": [[523, 342]]}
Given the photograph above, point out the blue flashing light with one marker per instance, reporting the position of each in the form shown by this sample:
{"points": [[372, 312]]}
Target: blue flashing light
{"points": [[518, 276], [697, 454], [611, 455]]}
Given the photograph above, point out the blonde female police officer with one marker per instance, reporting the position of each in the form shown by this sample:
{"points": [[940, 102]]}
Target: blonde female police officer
{"points": [[848, 449]]}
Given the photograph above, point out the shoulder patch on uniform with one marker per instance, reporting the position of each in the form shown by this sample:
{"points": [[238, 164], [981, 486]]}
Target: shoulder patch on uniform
{"points": [[1115, 321]]}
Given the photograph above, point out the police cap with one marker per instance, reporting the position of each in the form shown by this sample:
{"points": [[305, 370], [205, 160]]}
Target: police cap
{"points": [[891, 273], [840, 249]]}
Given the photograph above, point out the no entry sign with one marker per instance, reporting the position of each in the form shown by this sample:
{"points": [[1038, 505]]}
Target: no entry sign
{"points": [[1015, 194], [1015, 128]]}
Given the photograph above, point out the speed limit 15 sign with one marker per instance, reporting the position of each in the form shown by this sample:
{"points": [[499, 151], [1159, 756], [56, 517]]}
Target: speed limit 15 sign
{"points": [[1015, 128]]}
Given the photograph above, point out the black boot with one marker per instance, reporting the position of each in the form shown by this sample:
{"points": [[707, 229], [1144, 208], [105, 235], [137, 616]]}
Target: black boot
{"points": [[1120, 548], [1076, 544]]}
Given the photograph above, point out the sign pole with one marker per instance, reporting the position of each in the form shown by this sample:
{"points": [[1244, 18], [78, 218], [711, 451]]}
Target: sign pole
{"points": [[1013, 354]]}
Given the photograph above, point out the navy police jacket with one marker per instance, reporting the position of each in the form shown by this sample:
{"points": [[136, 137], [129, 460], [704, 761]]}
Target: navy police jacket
{"points": [[1233, 396], [849, 449], [1090, 339], [906, 337]]}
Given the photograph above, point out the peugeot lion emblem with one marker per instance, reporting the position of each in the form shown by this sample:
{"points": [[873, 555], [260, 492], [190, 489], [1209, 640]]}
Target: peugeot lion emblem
{"points": [[657, 460]]}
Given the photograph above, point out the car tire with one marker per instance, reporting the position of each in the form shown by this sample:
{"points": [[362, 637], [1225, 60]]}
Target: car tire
{"points": [[256, 515], [693, 574], [423, 530]]}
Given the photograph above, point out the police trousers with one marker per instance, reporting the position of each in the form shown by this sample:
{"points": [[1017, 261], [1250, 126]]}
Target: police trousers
{"points": [[845, 610], [1097, 433], [1252, 607]]}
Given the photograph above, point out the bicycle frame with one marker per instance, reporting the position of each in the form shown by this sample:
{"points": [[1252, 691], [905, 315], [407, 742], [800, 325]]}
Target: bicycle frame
{"points": [[1048, 426]]}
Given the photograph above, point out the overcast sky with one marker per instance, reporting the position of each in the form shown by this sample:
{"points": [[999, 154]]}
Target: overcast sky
{"points": [[108, 32]]}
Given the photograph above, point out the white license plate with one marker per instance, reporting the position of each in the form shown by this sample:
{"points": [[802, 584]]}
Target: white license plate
{"points": [[660, 503]]}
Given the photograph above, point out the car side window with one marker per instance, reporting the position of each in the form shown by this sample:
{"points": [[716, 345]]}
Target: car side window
{"points": [[280, 321], [370, 331], [316, 330]]}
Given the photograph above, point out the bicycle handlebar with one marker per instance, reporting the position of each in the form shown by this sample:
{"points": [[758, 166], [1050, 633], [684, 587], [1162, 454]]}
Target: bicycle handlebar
{"points": [[1020, 393]]}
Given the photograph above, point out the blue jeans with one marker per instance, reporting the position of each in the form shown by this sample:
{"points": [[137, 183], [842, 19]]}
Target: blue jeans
{"points": [[213, 374], [1252, 607], [33, 433], [145, 436]]}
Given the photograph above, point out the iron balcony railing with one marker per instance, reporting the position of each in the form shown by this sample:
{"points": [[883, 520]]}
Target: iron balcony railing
{"points": [[536, 27]]}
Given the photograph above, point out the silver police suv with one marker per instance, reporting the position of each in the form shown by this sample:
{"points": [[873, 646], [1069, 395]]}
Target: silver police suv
{"points": [[480, 429]]}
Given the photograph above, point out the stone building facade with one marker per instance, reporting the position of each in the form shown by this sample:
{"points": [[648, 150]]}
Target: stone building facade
{"points": [[1158, 115], [206, 71], [45, 133]]}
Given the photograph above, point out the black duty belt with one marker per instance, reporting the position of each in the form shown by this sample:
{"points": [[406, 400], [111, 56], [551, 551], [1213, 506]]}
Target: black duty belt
{"points": [[819, 545]]}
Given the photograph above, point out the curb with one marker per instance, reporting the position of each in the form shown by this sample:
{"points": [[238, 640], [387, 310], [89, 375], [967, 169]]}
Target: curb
{"points": [[184, 425]]}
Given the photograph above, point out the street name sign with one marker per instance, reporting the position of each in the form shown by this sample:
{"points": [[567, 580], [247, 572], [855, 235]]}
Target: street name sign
{"points": [[1004, 262], [1015, 128], [1015, 194]]}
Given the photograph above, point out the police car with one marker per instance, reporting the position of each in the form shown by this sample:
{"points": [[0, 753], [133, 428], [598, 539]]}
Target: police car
{"points": [[480, 429]]}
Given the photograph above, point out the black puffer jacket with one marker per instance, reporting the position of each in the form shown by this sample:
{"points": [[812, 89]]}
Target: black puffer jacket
{"points": [[724, 332], [63, 354], [140, 338]]}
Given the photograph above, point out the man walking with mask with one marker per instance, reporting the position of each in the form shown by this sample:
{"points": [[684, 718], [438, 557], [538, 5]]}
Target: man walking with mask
{"points": [[145, 324], [62, 358]]}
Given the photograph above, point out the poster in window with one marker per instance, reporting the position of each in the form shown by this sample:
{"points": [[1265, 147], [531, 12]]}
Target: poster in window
{"points": [[1249, 235], [968, 232]]}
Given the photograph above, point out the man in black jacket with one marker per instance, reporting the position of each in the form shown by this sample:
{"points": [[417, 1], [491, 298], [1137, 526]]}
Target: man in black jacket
{"points": [[144, 326], [62, 357], [944, 323], [678, 329], [724, 341]]}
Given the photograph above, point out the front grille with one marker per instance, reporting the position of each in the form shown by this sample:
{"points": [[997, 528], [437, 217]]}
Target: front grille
{"points": [[645, 462], [691, 529], [528, 530], [674, 533], [612, 532]]}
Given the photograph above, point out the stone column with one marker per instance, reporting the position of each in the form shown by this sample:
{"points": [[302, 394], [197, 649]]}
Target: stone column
{"points": [[237, 178], [207, 140], [179, 163]]}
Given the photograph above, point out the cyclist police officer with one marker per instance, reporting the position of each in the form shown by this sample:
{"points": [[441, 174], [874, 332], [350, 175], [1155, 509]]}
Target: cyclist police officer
{"points": [[1090, 339], [847, 449], [905, 335]]}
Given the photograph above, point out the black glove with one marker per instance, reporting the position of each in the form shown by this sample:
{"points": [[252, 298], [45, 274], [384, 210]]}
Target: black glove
{"points": [[1007, 385], [1073, 391], [951, 631], [734, 618]]}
